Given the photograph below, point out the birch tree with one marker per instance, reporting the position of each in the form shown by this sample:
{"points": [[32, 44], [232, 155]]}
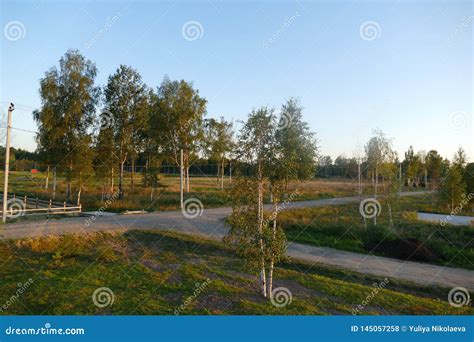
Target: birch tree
{"points": [[178, 113], [218, 144], [65, 119], [295, 155], [380, 157], [105, 160], [256, 147], [126, 103], [452, 187]]}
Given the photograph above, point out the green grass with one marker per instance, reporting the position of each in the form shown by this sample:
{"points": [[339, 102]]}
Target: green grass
{"points": [[166, 196], [343, 228], [155, 273]]}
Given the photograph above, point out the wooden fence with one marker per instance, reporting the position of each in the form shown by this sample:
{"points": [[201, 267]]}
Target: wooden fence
{"points": [[23, 205]]}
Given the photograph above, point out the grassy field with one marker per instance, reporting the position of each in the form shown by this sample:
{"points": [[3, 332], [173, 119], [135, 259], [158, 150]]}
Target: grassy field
{"points": [[343, 228], [166, 195], [159, 273]]}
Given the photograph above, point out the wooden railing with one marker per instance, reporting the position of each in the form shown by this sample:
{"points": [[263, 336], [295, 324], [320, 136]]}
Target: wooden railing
{"points": [[35, 206]]}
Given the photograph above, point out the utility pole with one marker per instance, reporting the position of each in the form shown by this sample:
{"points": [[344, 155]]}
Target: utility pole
{"points": [[54, 183], [400, 176], [181, 181], [359, 178], [7, 163]]}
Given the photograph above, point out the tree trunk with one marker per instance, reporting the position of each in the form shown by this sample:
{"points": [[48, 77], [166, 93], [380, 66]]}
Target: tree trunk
{"points": [[121, 180], [263, 283], [390, 215], [260, 231], [452, 199], [79, 192], [376, 181], [272, 261], [47, 179], [112, 180], [187, 179], [147, 172], [376, 186], [54, 183], [222, 176], [68, 190], [132, 175]]}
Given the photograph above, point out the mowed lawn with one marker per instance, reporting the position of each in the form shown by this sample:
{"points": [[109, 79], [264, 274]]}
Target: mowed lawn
{"points": [[160, 273], [343, 227]]}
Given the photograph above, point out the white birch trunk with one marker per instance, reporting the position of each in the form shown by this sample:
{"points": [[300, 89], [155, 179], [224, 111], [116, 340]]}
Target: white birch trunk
{"points": [[54, 183], [112, 180], [260, 231], [222, 175], [46, 186]]}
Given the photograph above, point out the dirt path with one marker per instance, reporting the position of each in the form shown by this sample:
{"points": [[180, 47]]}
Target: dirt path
{"points": [[447, 219], [211, 225]]}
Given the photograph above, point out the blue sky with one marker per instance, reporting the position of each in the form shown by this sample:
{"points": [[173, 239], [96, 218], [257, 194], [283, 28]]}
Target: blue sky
{"points": [[413, 80]]}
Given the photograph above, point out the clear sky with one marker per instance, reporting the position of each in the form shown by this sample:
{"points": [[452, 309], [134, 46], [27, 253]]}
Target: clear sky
{"points": [[405, 67]]}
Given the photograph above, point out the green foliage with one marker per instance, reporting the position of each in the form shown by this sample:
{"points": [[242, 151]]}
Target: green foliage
{"points": [[176, 119], [470, 178], [452, 187], [69, 98], [125, 115], [218, 142], [434, 166], [296, 145]]}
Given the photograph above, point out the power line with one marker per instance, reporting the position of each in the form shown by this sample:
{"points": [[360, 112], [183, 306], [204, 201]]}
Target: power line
{"points": [[24, 130], [20, 129]]}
